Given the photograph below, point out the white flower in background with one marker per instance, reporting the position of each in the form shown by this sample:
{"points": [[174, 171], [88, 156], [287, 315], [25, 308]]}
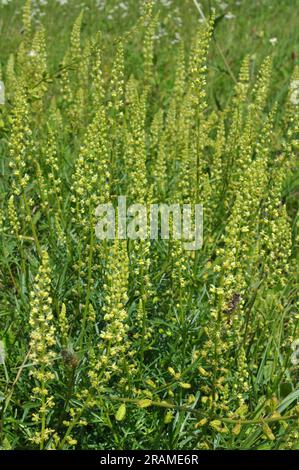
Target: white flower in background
{"points": [[101, 4], [229, 16], [2, 353], [223, 6], [2, 93], [161, 32], [295, 355], [177, 19], [294, 98], [123, 6], [62, 2], [32, 53], [273, 41], [177, 38], [166, 3]]}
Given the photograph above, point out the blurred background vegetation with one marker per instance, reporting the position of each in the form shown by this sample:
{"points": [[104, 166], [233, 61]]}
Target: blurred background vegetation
{"points": [[243, 27], [254, 27]]}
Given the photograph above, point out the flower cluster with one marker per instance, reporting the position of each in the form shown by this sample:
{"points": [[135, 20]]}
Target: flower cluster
{"points": [[189, 348], [42, 354]]}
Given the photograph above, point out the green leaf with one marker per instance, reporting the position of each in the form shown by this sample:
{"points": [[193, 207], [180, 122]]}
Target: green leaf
{"points": [[288, 401], [285, 389]]}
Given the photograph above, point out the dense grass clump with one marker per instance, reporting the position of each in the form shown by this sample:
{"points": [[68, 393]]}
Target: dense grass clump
{"points": [[141, 344]]}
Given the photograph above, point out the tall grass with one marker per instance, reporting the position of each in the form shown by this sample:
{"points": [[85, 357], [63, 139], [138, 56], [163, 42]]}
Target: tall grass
{"points": [[142, 344]]}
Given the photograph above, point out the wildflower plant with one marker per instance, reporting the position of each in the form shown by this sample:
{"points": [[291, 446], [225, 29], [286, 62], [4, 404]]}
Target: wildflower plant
{"points": [[142, 343]]}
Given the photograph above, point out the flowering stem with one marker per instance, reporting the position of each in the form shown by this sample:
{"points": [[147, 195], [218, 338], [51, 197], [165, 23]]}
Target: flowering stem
{"points": [[231, 73], [164, 404]]}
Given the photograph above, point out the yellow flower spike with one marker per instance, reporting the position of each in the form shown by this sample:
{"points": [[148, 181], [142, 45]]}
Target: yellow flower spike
{"points": [[75, 48], [180, 77], [64, 326], [13, 218], [42, 340], [113, 347], [117, 85], [148, 45], [97, 87], [27, 20]]}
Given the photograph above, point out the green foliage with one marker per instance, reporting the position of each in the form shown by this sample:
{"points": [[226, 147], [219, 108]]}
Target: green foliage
{"points": [[142, 344]]}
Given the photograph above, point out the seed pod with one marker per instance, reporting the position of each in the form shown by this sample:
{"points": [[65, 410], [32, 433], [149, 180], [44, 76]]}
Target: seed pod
{"points": [[121, 412], [144, 403]]}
